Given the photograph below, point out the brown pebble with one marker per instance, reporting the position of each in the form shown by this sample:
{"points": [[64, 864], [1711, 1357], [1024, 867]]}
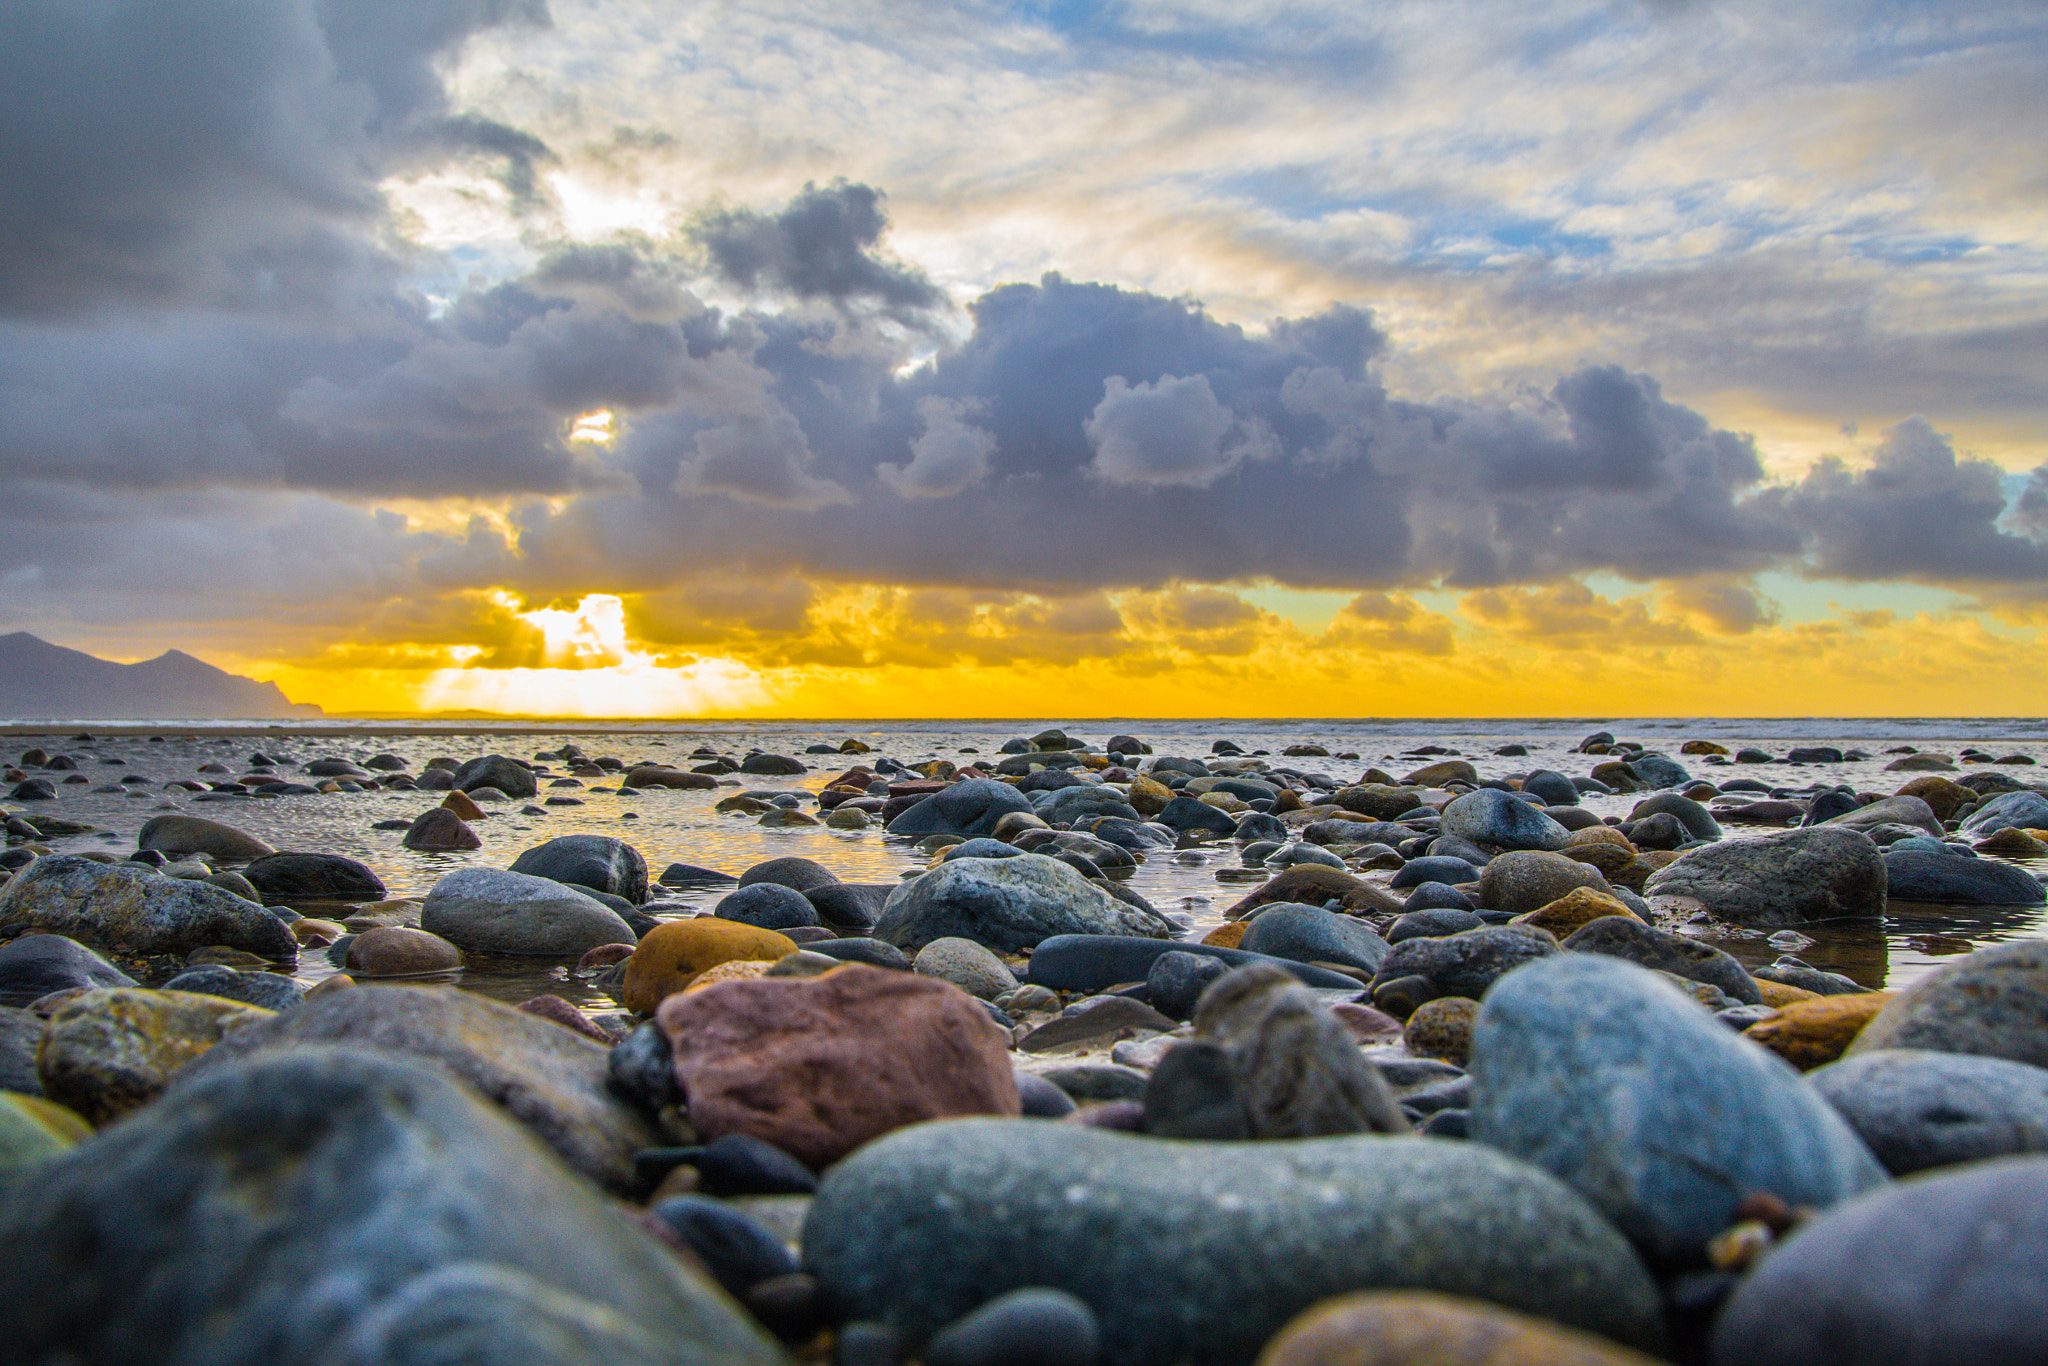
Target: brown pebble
{"points": [[552, 1007], [604, 955]]}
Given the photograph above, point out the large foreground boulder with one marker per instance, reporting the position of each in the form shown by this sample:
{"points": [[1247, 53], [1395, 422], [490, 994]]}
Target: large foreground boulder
{"points": [[1943, 1270], [549, 1079], [1602, 1073], [1819, 872], [1199, 1252], [1007, 904], [333, 1205]]}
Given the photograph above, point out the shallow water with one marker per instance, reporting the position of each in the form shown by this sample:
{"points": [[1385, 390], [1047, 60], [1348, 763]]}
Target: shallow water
{"points": [[682, 827]]}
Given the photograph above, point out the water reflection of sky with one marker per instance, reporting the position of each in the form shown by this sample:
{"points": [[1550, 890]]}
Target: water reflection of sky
{"points": [[682, 826]]}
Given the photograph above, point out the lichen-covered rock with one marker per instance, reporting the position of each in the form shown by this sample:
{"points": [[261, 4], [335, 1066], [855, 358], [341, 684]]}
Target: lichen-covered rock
{"points": [[1820, 872], [109, 1051]]}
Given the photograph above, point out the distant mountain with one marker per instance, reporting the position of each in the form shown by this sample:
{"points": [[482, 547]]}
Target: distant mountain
{"points": [[41, 681]]}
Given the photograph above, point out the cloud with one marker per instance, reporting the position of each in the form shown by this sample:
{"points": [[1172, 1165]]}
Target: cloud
{"points": [[1172, 431], [952, 454], [166, 153], [1916, 512], [820, 246]]}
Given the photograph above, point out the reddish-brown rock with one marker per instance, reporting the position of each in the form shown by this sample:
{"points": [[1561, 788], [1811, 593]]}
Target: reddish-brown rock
{"points": [[400, 951], [820, 1065]]}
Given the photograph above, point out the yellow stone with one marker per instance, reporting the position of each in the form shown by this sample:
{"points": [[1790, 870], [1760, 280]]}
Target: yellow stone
{"points": [[1149, 796], [1227, 936], [1810, 1034], [671, 956], [737, 970], [1422, 1328], [1576, 909], [109, 1051], [1778, 995]]}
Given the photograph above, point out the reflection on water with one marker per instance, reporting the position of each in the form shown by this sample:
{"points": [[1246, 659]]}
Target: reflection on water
{"points": [[668, 826]]}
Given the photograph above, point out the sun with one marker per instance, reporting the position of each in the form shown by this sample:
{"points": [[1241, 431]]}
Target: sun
{"points": [[594, 669]]}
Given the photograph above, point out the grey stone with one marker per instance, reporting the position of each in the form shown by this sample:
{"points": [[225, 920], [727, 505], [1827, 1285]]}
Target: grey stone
{"points": [[600, 862], [37, 964], [967, 965], [550, 1079], [489, 910], [1796, 972], [1943, 1270], [1993, 1003], [1597, 1071], [316, 877], [1698, 822], [1185, 814], [1007, 905], [861, 949], [781, 765], [176, 835], [1652, 769], [1913, 875], [1916, 1109], [1665, 951], [1904, 810], [267, 989], [1091, 962], [1427, 915], [21, 1034], [336, 1206], [1310, 934], [1525, 880], [2023, 810], [103, 904], [966, 809], [768, 905], [1789, 877], [1501, 820], [799, 874], [1552, 787], [1176, 981], [498, 771], [850, 905], [1468, 962], [1199, 1252], [1084, 801]]}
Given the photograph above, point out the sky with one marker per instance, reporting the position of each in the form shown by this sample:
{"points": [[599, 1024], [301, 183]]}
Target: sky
{"points": [[1037, 359]]}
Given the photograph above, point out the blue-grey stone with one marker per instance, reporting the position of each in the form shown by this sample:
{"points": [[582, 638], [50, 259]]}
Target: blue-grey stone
{"points": [[1942, 1270], [1257, 825], [1602, 1073], [850, 905], [982, 846], [499, 772], [1912, 875], [1902, 810], [1431, 915], [768, 906], [37, 964], [2024, 810], [791, 870], [1093, 962], [341, 1205], [736, 1248], [1468, 962], [1502, 820], [1310, 934], [1788, 877], [1199, 1252], [1433, 868], [270, 990], [1035, 1326], [1084, 802], [493, 910], [1697, 821], [966, 809], [599, 862], [1551, 788], [1652, 769], [1007, 905], [1916, 1109], [1186, 814], [1177, 979], [104, 904]]}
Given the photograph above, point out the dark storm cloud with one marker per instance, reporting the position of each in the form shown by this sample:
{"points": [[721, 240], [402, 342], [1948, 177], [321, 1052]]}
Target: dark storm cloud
{"points": [[1918, 512], [820, 246], [163, 152]]}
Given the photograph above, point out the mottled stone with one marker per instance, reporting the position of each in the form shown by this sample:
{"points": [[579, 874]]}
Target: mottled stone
{"points": [[440, 830], [967, 965], [600, 862], [1317, 886], [1820, 872], [1993, 1002], [1525, 880], [1007, 904], [498, 772], [107, 904], [1442, 1029], [1575, 910], [1310, 934], [400, 951], [1665, 951], [1227, 1243], [1958, 880], [35, 965], [1494, 819], [1468, 962], [819, 1066], [966, 809], [112, 1050]]}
